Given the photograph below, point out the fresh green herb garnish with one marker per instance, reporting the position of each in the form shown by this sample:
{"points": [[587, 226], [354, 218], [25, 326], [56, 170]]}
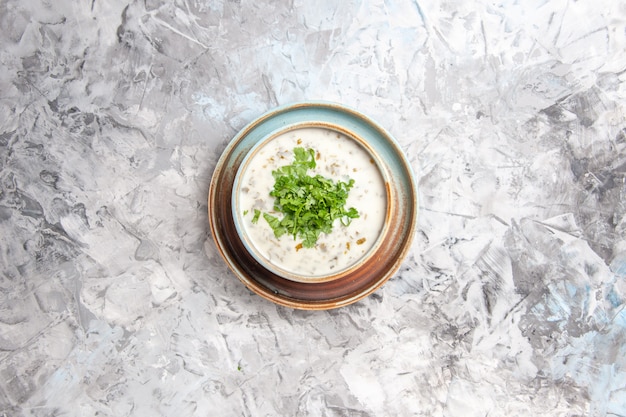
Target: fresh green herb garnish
{"points": [[255, 218], [309, 204], [245, 212]]}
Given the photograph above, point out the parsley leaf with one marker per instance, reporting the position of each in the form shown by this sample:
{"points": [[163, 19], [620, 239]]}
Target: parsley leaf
{"points": [[309, 204], [275, 224], [257, 213]]}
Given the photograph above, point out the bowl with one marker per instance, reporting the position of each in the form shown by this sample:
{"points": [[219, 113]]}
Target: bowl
{"points": [[358, 255], [339, 158]]}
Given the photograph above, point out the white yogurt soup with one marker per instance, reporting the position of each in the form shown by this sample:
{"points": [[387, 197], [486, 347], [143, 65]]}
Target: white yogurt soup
{"points": [[338, 157]]}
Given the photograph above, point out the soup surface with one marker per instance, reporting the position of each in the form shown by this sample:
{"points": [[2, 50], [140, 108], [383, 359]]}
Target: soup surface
{"points": [[339, 158]]}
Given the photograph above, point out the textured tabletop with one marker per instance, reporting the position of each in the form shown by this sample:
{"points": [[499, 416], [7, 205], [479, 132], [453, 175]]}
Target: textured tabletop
{"points": [[115, 301]]}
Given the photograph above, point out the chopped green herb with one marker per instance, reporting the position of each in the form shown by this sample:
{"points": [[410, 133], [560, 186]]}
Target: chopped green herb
{"points": [[275, 224], [309, 204], [245, 212], [257, 213]]}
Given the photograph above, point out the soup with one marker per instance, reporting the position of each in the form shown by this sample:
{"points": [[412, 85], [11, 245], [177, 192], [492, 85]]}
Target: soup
{"points": [[337, 157]]}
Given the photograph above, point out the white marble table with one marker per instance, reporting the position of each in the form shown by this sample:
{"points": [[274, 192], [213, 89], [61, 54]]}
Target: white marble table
{"points": [[115, 302]]}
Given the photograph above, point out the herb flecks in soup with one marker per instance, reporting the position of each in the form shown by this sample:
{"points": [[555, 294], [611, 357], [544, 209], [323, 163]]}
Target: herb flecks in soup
{"points": [[316, 185]]}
